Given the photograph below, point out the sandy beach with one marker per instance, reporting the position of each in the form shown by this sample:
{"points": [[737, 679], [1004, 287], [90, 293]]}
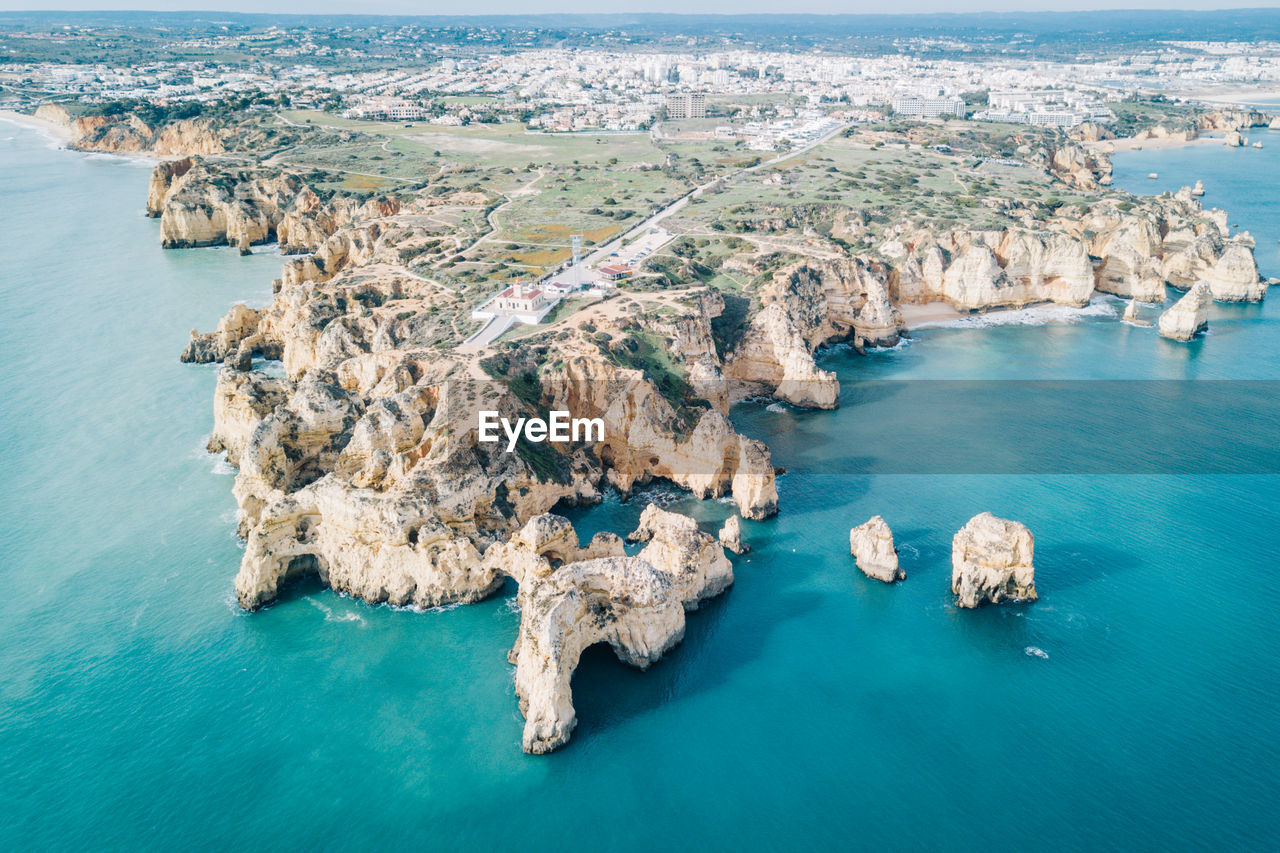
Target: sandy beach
{"points": [[61, 132], [1266, 97], [930, 312], [1133, 144]]}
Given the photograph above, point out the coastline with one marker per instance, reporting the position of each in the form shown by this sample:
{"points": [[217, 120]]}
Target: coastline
{"points": [[1131, 143], [940, 315], [60, 132], [63, 136]]}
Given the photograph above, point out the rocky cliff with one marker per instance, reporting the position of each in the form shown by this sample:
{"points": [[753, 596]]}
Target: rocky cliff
{"points": [[202, 203], [804, 307], [126, 133], [1112, 247]]}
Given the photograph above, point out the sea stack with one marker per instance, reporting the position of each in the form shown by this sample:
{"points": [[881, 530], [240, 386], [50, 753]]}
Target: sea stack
{"points": [[991, 561], [1189, 316], [244, 244], [871, 545], [1132, 316], [1198, 189], [731, 536], [1233, 140]]}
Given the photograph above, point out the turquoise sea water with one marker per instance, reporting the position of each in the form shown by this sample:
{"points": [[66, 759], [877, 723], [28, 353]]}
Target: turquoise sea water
{"points": [[808, 707]]}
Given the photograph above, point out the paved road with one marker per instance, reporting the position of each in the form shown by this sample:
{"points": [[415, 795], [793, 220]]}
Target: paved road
{"points": [[676, 206], [488, 334]]}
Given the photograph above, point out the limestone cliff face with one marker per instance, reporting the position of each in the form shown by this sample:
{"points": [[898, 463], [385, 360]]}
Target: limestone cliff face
{"points": [[978, 270], [162, 178], [1091, 131], [644, 439], [1228, 267], [991, 561], [128, 134], [242, 400], [730, 536], [1162, 132], [1232, 120], [206, 204], [635, 604], [774, 357], [1129, 259], [806, 306], [1015, 268], [1132, 253]]}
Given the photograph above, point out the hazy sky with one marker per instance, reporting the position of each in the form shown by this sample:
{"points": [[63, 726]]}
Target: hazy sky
{"points": [[474, 7]]}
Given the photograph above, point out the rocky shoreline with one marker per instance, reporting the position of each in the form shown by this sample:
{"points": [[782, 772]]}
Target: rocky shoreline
{"points": [[361, 465]]}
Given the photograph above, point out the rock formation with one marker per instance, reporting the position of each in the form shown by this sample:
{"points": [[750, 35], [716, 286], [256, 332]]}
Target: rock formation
{"points": [[871, 544], [126, 133], [367, 411], [991, 561], [635, 604], [806, 306], [1233, 140], [693, 560], [731, 536], [1189, 316], [1111, 248], [1231, 119], [1132, 315], [1079, 167]]}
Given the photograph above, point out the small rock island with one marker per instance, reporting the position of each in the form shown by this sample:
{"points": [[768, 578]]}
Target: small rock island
{"points": [[991, 562], [871, 545]]}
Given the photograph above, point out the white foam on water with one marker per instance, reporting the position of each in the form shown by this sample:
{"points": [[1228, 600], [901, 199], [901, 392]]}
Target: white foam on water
{"points": [[442, 608], [662, 497], [1035, 652], [776, 407], [1038, 315]]}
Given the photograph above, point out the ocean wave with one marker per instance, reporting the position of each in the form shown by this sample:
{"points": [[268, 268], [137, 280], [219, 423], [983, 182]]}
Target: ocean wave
{"points": [[661, 497], [778, 407], [330, 615], [221, 466], [1038, 315]]}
